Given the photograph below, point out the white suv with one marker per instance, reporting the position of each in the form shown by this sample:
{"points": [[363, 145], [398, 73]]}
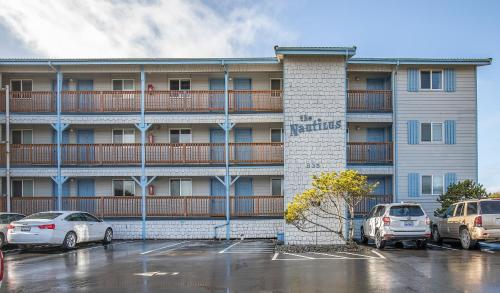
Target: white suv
{"points": [[396, 222]]}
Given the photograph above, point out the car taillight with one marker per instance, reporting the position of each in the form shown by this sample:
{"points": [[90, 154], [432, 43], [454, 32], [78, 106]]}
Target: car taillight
{"points": [[11, 227], [387, 221], [427, 221], [47, 226], [478, 221]]}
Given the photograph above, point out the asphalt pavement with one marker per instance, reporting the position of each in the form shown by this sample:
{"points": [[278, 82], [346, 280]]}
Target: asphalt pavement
{"points": [[248, 266]]}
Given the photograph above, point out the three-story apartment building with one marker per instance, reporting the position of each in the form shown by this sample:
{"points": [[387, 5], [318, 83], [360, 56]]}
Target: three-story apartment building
{"points": [[145, 139]]}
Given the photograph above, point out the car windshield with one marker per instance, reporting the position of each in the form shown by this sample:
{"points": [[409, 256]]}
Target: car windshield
{"points": [[490, 207], [43, 216], [406, 211]]}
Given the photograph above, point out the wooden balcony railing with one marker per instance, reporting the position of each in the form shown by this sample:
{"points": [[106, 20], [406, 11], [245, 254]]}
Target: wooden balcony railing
{"points": [[156, 205], [367, 204], [366, 101], [157, 153], [369, 152], [155, 101]]}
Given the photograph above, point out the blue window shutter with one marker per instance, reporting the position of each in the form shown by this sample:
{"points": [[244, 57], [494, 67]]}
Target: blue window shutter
{"points": [[449, 179], [449, 80], [413, 132], [413, 184], [412, 79], [450, 132]]}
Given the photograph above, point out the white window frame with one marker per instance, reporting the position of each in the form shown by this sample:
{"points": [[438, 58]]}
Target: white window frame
{"points": [[122, 80], [431, 88], [180, 80], [180, 186], [432, 183], [123, 135], [22, 134], [275, 78], [271, 185], [22, 186], [282, 134], [432, 133], [190, 134], [21, 80], [113, 186]]}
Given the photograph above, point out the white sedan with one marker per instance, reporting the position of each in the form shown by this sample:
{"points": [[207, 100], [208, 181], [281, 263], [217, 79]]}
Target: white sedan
{"points": [[61, 228]]}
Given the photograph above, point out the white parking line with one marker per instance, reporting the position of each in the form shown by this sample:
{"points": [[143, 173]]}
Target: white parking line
{"points": [[442, 246], [298, 255], [356, 254], [163, 247], [275, 256], [321, 253], [229, 247], [378, 253]]}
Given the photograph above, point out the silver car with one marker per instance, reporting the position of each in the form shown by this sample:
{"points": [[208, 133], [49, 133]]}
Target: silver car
{"points": [[469, 221], [5, 220]]}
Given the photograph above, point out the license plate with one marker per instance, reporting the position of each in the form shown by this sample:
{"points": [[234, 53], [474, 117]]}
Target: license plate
{"points": [[408, 224], [26, 229]]}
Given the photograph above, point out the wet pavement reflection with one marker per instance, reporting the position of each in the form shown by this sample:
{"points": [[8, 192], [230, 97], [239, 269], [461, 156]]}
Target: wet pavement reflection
{"points": [[213, 266]]}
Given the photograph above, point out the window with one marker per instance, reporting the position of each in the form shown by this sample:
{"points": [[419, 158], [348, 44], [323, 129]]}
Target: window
{"points": [[432, 185], [431, 79], [277, 135], [276, 87], [276, 186], [123, 188], [43, 216], [21, 85], [450, 210], [380, 212], [431, 132], [123, 136], [471, 208], [490, 207], [372, 212], [90, 218], [406, 211], [76, 217], [460, 210], [181, 187], [123, 85], [179, 84], [22, 187], [180, 135], [24, 136]]}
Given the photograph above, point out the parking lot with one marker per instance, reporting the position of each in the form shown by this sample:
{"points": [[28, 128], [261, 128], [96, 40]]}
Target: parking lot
{"points": [[248, 265]]}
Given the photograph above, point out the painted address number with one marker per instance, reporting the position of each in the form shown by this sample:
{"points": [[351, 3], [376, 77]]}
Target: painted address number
{"points": [[312, 165]]}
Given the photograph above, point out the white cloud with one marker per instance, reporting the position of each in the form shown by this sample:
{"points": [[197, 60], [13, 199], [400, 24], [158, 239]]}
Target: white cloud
{"points": [[141, 28]]}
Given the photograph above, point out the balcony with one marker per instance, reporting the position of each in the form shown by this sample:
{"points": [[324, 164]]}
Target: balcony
{"points": [[194, 101], [367, 204], [156, 206], [156, 154], [369, 101], [369, 153]]}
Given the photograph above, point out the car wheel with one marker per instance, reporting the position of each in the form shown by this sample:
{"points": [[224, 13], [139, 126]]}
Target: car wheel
{"points": [[421, 244], [435, 236], [69, 241], [379, 241], [466, 240], [364, 239], [108, 236], [2, 240]]}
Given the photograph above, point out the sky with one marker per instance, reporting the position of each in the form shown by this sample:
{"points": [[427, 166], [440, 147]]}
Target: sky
{"points": [[234, 28]]}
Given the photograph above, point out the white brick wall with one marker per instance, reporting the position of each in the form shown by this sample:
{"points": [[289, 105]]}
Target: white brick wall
{"points": [[196, 229], [314, 86]]}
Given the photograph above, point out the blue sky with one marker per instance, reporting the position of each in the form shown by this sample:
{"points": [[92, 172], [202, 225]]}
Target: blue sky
{"points": [[175, 28]]}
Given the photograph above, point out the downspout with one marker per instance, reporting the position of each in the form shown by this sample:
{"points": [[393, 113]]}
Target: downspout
{"points": [[346, 84], [143, 157], [395, 129], [59, 180], [227, 179], [7, 145]]}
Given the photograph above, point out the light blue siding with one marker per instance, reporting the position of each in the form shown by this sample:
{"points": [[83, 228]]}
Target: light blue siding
{"points": [[449, 80], [413, 184], [450, 132], [449, 179], [412, 80], [413, 132]]}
